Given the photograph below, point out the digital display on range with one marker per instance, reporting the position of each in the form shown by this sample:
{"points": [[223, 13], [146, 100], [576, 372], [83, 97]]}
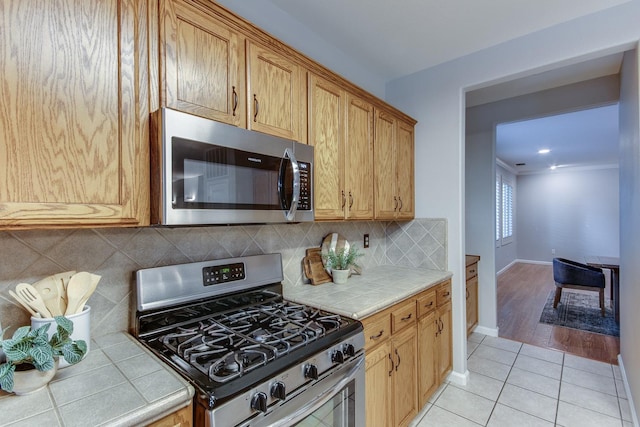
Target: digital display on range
{"points": [[223, 273]]}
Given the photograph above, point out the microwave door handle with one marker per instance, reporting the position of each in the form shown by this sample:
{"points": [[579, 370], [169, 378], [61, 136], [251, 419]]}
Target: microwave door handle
{"points": [[290, 215]]}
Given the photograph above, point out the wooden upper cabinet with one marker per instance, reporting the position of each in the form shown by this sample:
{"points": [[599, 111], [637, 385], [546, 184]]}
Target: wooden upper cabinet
{"points": [[274, 97], [405, 170], [326, 134], [203, 64], [386, 199], [341, 130], [394, 167], [74, 127], [359, 159]]}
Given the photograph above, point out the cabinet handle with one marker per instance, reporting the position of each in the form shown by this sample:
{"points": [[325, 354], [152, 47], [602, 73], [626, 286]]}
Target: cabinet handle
{"points": [[471, 271], [256, 107], [398, 356], [428, 305], [404, 319], [438, 328], [375, 337], [391, 360], [395, 199], [344, 199], [446, 294], [235, 100], [441, 325], [350, 200], [401, 204]]}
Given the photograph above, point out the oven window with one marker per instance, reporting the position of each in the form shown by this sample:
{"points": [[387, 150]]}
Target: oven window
{"points": [[207, 176], [338, 412]]}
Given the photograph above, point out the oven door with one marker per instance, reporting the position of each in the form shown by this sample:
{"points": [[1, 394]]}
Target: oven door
{"points": [[336, 400]]}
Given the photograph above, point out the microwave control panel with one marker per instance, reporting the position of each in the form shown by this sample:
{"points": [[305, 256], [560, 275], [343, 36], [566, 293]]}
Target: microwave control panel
{"points": [[223, 273], [304, 202]]}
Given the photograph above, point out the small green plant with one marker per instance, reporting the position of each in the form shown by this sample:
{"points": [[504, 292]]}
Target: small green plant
{"points": [[29, 349], [342, 259]]}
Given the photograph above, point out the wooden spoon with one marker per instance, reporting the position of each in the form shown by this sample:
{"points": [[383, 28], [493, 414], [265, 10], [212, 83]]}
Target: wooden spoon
{"points": [[95, 278], [32, 297], [78, 286], [48, 288], [24, 304]]}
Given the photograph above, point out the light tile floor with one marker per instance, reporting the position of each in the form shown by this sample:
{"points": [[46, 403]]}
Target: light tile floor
{"points": [[514, 384]]}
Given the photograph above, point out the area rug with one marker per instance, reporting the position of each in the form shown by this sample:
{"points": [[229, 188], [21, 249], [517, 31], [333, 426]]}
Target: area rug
{"points": [[580, 311]]}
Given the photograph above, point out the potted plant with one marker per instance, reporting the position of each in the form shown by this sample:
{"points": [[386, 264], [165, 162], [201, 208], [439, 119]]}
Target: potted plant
{"points": [[340, 262], [31, 358]]}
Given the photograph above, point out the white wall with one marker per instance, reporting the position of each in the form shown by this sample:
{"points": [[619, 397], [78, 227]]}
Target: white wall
{"points": [[435, 97], [575, 212], [630, 225], [284, 27]]}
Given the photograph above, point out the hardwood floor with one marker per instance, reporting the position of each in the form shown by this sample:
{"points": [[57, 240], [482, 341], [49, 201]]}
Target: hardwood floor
{"points": [[522, 293]]}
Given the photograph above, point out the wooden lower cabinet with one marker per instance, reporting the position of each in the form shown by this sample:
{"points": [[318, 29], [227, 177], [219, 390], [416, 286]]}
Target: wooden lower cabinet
{"points": [[180, 418], [378, 386], [472, 292], [408, 355]]}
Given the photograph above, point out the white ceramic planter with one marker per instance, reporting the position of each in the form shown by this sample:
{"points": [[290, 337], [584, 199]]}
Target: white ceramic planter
{"points": [[27, 382], [339, 276]]}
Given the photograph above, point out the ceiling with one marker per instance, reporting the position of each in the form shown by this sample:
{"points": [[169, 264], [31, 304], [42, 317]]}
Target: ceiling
{"points": [[399, 38], [585, 139], [396, 38]]}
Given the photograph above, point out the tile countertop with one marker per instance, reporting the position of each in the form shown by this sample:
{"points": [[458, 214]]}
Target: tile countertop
{"points": [[119, 383], [377, 288]]}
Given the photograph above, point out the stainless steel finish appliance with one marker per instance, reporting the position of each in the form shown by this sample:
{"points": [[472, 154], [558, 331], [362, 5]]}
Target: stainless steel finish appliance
{"points": [[207, 172], [254, 358]]}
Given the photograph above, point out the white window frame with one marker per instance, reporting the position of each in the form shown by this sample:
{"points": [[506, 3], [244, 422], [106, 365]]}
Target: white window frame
{"points": [[505, 214]]}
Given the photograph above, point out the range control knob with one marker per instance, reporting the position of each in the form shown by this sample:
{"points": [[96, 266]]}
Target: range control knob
{"points": [[349, 350], [259, 402], [311, 371], [337, 357], [278, 390]]}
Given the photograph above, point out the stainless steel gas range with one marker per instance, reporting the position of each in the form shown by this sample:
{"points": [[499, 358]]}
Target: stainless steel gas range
{"points": [[254, 358]]}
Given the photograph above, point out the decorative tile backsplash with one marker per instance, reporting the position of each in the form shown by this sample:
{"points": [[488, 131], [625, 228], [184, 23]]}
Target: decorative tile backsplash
{"points": [[116, 253]]}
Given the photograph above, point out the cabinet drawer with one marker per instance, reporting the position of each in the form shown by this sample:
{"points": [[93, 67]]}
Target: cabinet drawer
{"points": [[403, 316], [426, 303], [376, 330], [472, 270], [443, 294]]}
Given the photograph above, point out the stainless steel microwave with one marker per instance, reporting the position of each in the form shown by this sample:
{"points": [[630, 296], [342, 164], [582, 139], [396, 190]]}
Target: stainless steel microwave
{"points": [[207, 172]]}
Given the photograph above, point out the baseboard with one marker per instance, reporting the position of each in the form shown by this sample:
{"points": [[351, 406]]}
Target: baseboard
{"points": [[508, 266], [532, 261], [492, 332], [458, 378], [632, 407]]}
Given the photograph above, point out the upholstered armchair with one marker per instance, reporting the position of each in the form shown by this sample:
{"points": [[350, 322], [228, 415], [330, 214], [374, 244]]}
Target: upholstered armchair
{"points": [[571, 274]]}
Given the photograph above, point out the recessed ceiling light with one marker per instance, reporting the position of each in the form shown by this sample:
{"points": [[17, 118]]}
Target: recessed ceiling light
{"points": [[544, 151]]}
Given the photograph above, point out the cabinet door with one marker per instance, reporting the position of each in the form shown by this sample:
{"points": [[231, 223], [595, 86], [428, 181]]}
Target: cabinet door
{"points": [[326, 134], [472, 303], [405, 391], [427, 378], [404, 170], [444, 341], [74, 126], [359, 159], [386, 200], [181, 418], [378, 386], [203, 65], [273, 95]]}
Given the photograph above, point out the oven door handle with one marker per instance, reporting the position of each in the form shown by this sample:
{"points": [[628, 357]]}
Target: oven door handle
{"points": [[323, 398], [288, 154]]}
